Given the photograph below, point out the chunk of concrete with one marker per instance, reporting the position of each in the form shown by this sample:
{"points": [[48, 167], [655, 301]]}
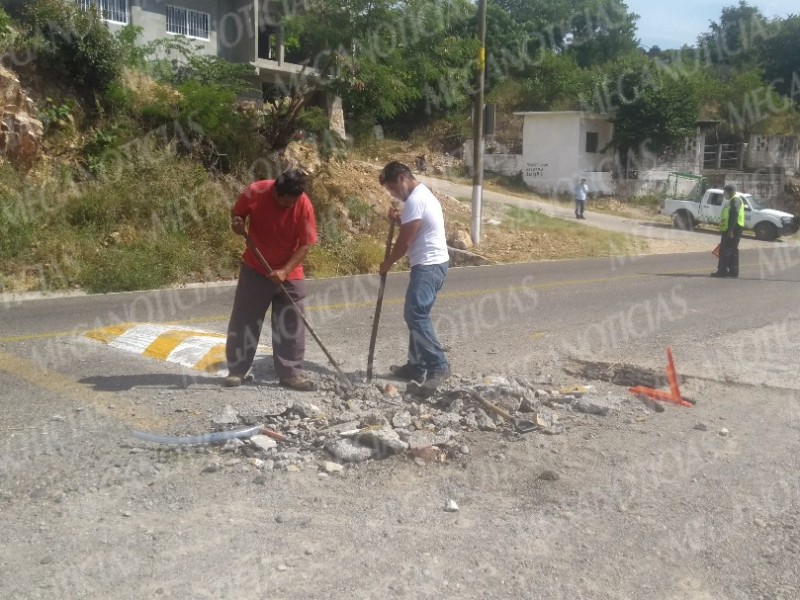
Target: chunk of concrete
{"points": [[348, 450], [594, 405], [382, 441], [264, 442]]}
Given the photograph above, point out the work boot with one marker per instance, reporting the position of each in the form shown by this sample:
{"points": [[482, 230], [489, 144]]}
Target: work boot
{"points": [[232, 381], [437, 375], [407, 372], [298, 383]]}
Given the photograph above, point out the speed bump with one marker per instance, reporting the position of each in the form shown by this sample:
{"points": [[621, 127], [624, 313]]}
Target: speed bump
{"points": [[200, 350]]}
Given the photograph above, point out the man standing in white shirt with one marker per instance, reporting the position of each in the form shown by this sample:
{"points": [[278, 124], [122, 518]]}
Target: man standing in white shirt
{"points": [[422, 236], [581, 190]]}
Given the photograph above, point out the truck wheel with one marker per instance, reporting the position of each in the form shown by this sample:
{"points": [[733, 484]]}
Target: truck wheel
{"points": [[682, 220], [766, 231]]}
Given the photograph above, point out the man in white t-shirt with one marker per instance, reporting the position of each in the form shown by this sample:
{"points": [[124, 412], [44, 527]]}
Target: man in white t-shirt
{"points": [[422, 236], [581, 191]]}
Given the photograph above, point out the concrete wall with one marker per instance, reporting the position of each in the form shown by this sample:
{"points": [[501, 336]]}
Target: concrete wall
{"points": [[555, 154], [151, 16], [769, 152], [237, 31], [765, 187], [595, 161], [654, 170], [550, 151], [502, 164]]}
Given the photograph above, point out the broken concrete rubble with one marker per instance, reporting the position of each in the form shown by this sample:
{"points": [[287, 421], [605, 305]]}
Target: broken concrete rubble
{"points": [[353, 426], [594, 405], [263, 442], [348, 450], [384, 441]]}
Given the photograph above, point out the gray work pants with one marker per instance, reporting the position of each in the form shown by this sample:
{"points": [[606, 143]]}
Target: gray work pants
{"points": [[254, 295]]}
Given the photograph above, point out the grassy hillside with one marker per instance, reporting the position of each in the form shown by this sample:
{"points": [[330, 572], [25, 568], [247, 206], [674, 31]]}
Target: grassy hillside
{"points": [[143, 156]]}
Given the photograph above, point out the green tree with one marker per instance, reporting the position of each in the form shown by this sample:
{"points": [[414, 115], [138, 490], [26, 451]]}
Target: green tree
{"points": [[595, 31], [386, 58], [735, 40], [507, 45], [749, 105], [73, 45], [602, 31], [555, 83], [653, 108], [782, 58]]}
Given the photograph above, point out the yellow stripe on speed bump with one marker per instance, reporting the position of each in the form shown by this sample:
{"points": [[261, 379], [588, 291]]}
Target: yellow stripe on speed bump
{"points": [[108, 334], [200, 350], [214, 360], [166, 343]]}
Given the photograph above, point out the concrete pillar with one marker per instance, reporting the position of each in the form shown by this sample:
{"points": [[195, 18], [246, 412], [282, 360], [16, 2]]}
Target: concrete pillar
{"points": [[281, 47]]}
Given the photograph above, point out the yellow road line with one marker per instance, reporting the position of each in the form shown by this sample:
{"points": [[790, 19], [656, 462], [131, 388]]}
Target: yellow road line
{"points": [[38, 336]]}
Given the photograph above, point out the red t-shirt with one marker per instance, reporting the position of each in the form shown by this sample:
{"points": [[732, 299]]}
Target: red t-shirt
{"points": [[278, 232]]}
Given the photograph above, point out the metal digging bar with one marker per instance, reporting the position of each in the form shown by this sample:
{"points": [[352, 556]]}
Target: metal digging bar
{"points": [[265, 264], [374, 337]]}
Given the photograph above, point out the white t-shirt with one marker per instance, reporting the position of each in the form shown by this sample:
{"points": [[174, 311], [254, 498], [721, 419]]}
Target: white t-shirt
{"points": [[429, 247]]}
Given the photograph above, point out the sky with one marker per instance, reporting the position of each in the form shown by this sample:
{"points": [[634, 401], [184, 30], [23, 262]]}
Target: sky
{"points": [[672, 23]]}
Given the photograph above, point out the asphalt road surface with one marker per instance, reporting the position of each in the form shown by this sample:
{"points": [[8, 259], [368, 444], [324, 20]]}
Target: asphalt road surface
{"points": [[699, 503]]}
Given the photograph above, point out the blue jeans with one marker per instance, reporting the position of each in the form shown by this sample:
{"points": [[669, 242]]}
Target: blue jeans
{"points": [[425, 353]]}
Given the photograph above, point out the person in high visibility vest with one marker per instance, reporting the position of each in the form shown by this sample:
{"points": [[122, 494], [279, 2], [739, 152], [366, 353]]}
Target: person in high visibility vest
{"points": [[731, 225]]}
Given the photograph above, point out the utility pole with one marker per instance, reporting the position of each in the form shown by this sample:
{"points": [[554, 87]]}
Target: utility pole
{"points": [[477, 129]]}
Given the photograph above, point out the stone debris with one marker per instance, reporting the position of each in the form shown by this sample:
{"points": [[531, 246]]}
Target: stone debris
{"points": [[391, 390], [264, 442], [594, 405], [451, 506], [228, 416], [401, 420], [349, 450], [331, 467], [485, 422], [336, 429], [384, 441]]}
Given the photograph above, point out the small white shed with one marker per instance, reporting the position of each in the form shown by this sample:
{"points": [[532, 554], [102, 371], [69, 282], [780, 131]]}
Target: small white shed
{"points": [[558, 148]]}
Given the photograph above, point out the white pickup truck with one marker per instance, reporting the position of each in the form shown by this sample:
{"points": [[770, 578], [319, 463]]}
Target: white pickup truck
{"points": [[767, 223]]}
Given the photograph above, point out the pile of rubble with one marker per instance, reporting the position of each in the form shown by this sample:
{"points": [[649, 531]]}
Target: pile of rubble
{"points": [[425, 423]]}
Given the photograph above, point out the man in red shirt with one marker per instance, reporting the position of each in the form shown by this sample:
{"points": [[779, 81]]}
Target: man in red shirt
{"points": [[283, 228]]}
